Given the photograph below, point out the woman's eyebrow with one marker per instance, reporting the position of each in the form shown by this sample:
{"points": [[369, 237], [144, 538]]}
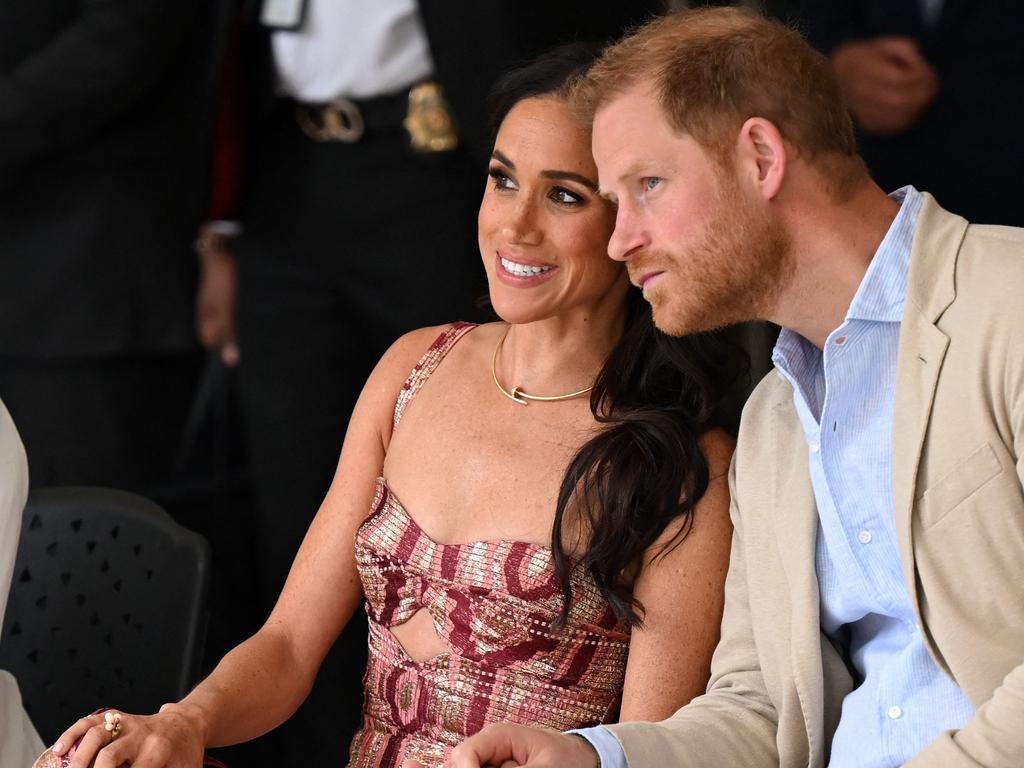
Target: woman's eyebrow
{"points": [[503, 160], [553, 174], [570, 176]]}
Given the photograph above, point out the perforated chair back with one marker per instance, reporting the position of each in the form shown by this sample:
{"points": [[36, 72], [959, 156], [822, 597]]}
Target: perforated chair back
{"points": [[107, 606]]}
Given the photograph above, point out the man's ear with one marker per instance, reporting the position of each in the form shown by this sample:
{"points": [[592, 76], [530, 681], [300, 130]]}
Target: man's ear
{"points": [[762, 156]]}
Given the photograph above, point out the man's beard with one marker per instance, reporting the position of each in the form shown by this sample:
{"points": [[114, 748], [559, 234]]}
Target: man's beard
{"points": [[733, 275]]}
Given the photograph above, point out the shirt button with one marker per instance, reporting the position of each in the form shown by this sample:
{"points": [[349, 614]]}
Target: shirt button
{"points": [[815, 446], [864, 537], [894, 713], [840, 340]]}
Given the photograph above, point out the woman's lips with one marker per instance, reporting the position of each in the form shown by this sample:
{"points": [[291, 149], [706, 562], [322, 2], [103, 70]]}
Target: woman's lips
{"points": [[521, 272]]}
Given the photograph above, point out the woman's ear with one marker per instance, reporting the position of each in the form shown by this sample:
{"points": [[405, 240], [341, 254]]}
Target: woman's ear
{"points": [[761, 153]]}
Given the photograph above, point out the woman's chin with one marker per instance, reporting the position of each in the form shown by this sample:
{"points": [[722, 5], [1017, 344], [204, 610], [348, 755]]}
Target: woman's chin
{"points": [[514, 318], [518, 313], [513, 305]]}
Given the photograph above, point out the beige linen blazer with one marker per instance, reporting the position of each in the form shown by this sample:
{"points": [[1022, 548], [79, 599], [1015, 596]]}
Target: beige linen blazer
{"points": [[777, 683]]}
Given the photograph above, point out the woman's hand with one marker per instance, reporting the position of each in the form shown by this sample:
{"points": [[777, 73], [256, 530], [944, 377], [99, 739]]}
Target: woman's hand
{"points": [[171, 739]]}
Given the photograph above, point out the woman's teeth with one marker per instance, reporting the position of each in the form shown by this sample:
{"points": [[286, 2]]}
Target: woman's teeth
{"points": [[523, 270]]}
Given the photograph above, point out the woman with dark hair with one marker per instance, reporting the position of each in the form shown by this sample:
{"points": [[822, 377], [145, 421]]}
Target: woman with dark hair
{"points": [[548, 528]]}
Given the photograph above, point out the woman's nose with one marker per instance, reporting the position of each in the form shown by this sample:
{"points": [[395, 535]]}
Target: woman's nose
{"points": [[521, 225]]}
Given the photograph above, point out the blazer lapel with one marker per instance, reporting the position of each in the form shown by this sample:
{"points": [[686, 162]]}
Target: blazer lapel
{"points": [[796, 531], [922, 349]]}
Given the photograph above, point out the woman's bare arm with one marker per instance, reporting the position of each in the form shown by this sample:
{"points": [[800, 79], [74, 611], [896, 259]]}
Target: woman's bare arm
{"points": [[682, 593], [261, 682]]}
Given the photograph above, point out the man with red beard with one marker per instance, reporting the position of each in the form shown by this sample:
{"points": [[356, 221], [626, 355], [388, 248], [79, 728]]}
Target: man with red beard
{"points": [[873, 614]]}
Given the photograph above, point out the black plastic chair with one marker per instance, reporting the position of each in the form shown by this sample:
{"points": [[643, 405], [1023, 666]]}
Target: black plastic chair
{"points": [[107, 606]]}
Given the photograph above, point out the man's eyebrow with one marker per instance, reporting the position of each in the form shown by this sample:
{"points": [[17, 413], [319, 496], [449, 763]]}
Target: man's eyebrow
{"points": [[632, 170], [503, 160], [570, 176]]}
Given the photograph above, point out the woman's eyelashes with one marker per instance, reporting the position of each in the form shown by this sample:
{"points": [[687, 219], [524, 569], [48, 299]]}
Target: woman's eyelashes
{"points": [[563, 196], [500, 180]]}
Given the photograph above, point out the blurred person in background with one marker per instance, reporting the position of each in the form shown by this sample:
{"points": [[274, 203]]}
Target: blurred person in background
{"points": [[365, 141], [935, 89], [100, 195]]}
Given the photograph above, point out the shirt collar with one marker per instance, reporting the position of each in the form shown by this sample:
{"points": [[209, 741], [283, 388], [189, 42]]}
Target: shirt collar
{"points": [[882, 291]]}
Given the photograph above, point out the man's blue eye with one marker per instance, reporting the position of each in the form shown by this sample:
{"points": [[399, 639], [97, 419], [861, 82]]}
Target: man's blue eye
{"points": [[651, 182]]}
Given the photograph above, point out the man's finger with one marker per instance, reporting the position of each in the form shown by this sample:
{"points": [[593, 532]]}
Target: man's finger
{"points": [[493, 746]]}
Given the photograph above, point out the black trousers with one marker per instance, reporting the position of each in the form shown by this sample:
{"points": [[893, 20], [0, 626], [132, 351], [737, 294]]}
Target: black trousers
{"points": [[345, 248]]}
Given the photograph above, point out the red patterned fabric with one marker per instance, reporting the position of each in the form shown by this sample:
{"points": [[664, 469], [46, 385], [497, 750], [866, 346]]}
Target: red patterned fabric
{"points": [[494, 604]]}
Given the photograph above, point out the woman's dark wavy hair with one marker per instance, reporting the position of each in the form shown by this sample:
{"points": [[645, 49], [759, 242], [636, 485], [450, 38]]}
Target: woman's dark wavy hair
{"points": [[655, 395]]}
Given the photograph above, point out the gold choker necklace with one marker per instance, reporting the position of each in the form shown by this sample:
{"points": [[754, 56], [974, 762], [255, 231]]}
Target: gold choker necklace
{"points": [[519, 396]]}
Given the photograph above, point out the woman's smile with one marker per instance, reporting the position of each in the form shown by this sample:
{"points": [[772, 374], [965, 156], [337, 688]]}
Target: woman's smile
{"points": [[519, 271]]}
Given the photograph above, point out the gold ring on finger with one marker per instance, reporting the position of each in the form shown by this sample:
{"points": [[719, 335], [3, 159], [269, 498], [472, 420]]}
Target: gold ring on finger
{"points": [[112, 723]]}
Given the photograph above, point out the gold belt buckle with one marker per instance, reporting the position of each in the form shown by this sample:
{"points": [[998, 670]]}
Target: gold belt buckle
{"points": [[429, 122], [340, 120]]}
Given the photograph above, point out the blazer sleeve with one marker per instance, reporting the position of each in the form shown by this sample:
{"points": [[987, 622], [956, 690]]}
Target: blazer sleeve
{"points": [[104, 62], [734, 724], [993, 738]]}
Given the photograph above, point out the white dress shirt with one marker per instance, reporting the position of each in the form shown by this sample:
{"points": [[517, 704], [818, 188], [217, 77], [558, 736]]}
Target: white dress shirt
{"points": [[352, 48]]}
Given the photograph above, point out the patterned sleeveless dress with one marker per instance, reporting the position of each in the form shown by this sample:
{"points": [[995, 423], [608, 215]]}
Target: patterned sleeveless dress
{"points": [[493, 603]]}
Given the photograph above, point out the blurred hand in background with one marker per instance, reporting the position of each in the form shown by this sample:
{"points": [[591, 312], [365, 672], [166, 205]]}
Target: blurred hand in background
{"points": [[216, 295], [887, 82]]}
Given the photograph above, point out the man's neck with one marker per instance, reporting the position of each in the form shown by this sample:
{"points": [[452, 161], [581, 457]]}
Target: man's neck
{"points": [[833, 244]]}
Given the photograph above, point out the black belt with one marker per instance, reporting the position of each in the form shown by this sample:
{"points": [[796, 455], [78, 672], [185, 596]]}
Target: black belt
{"points": [[421, 110], [347, 120]]}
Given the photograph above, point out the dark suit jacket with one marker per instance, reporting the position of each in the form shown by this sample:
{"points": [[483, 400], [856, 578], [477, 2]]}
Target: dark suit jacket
{"points": [[965, 150], [100, 114]]}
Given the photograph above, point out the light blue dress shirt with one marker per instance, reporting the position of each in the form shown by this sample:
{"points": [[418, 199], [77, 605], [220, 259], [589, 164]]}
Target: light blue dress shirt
{"points": [[844, 398]]}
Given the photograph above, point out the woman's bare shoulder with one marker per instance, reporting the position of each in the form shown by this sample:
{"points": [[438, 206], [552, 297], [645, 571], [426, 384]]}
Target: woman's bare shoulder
{"points": [[402, 356], [395, 366]]}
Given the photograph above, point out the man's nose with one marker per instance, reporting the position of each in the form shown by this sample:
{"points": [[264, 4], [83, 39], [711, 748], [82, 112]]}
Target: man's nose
{"points": [[627, 236]]}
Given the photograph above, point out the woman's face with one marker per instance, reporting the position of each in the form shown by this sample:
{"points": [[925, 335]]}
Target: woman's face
{"points": [[543, 228]]}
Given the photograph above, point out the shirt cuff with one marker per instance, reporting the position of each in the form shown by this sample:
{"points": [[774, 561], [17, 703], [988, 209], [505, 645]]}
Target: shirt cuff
{"points": [[609, 751], [224, 227]]}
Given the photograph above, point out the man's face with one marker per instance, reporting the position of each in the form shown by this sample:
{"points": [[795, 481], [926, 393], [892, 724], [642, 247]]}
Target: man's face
{"points": [[706, 252]]}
